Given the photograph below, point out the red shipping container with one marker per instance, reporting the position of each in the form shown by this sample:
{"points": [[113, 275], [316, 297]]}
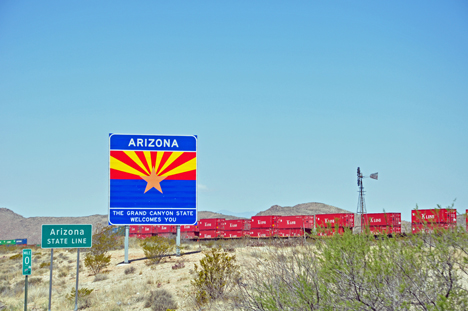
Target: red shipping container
{"points": [[289, 232], [209, 224], [133, 235], [431, 227], [210, 234], [345, 220], [260, 233], [189, 235], [165, 229], [188, 228], [235, 224], [231, 234], [300, 221], [259, 222], [381, 219], [448, 216], [329, 231], [154, 229], [135, 229], [146, 229], [385, 229]]}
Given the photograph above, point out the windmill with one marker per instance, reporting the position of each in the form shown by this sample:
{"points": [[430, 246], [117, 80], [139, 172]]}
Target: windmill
{"points": [[361, 208]]}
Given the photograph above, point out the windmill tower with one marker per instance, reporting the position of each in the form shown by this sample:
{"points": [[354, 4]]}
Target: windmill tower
{"points": [[361, 208]]}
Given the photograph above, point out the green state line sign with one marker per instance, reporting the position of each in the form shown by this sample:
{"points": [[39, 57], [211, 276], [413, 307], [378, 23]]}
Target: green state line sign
{"points": [[67, 236]]}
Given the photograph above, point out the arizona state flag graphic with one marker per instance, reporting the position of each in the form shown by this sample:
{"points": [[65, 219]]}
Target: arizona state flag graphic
{"points": [[152, 180]]}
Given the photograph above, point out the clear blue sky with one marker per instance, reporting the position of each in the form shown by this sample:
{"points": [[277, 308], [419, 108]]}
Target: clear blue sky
{"points": [[287, 98]]}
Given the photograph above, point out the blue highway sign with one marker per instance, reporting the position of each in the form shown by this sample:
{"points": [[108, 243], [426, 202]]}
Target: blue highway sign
{"points": [[152, 179]]}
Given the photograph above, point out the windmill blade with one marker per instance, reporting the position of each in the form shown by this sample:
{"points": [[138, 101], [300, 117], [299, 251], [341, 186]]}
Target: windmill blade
{"points": [[374, 176]]}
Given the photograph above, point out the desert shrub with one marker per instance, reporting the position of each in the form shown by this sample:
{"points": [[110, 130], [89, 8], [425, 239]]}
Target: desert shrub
{"points": [[357, 272], [130, 270], [216, 273], [84, 299], [156, 247], [97, 258], [44, 265], [160, 300], [16, 257], [96, 263]]}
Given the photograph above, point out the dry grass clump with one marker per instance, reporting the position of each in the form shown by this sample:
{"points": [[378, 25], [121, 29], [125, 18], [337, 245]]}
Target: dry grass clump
{"points": [[16, 257], [130, 270], [44, 265], [160, 300], [100, 277], [63, 273]]}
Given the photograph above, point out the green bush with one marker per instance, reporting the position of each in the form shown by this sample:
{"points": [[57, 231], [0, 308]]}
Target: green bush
{"points": [[216, 273], [156, 247], [84, 300], [160, 300], [97, 258]]}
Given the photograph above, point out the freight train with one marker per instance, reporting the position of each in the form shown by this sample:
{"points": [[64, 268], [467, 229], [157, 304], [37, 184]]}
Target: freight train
{"points": [[422, 221]]}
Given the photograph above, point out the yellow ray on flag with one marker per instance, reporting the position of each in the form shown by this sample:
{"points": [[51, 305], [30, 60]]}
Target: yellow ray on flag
{"points": [[169, 161], [136, 159], [159, 156], [148, 159], [187, 166], [120, 166]]}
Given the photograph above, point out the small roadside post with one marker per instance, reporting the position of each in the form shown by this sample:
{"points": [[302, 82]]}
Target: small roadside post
{"points": [[66, 236], [178, 241], [127, 233], [26, 271]]}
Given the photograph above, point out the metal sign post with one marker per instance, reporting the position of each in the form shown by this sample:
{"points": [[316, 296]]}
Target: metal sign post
{"points": [[178, 242], [77, 274], [26, 271], [50, 281], [66, 236], [127, 233]]}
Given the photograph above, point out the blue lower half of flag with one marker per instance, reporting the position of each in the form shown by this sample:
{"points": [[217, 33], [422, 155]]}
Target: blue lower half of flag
{"points": [[131, 193]]}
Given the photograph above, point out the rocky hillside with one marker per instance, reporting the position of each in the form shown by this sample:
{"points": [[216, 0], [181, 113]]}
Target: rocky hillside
{"points": [[206, 214], [302, 209], [15, 226]]}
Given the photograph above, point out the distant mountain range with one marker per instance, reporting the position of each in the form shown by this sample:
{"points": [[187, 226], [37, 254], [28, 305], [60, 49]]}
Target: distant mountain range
{"points": [[15, 226]]}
